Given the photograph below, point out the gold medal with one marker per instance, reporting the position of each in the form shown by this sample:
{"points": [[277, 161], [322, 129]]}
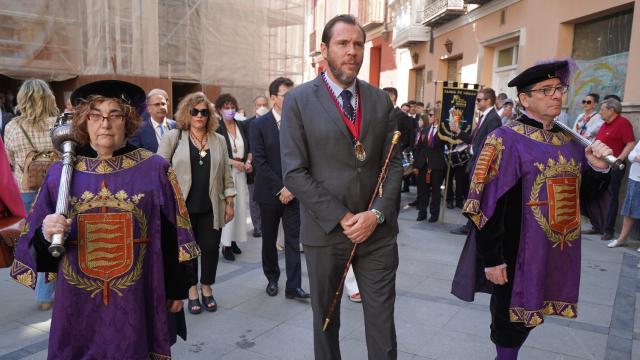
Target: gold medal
{"points": [[358, 149]]}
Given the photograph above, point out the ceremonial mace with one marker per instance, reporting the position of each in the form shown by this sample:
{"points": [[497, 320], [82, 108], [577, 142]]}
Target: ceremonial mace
{"points": [[378, 191], [64, 141], [613, 161]]}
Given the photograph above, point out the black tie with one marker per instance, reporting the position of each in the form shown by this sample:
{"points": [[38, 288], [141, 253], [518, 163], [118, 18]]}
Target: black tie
{"points": [[345, 95]]}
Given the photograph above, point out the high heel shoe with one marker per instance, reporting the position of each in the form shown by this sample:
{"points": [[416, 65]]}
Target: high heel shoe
{"points": [[235, 249], [209, 303], [227, 253]]}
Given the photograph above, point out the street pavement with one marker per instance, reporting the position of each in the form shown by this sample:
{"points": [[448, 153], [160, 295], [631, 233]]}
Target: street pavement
{"points": [[430, 322]]}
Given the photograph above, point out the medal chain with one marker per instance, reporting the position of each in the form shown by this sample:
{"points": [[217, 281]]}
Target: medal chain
{"points": [[200, 143]]}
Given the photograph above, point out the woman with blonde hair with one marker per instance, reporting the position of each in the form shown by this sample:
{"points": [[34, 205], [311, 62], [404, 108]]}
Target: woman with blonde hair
{"points": [[25, 134], [199, 157]]}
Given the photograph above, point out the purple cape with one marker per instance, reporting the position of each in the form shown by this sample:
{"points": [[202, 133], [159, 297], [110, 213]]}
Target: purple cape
{"points": [[110, 300], [547, 273]]}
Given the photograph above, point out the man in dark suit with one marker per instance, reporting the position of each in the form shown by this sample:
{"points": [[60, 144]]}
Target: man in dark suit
{"points": [[155, 122], [334, 139], [488, 121], [260, 104], [431, 168], [5, 117], [275, 200]]}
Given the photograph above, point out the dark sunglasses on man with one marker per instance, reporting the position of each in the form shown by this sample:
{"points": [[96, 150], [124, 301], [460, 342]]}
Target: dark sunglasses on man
{"points": [[204, 112], [587, 102]]}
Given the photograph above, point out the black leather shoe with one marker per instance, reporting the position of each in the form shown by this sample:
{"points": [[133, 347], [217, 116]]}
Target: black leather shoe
{"points": [[462, 230], [227, 253], [433, 219], [449, 205], [235, 249], [413, 203], [272, 288], [406, 190], [257, 233], [421, 216], [296, 294]]}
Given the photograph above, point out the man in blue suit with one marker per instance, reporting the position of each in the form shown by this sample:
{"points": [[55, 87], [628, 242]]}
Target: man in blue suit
{"points": [[275, 200], [155, 123]]}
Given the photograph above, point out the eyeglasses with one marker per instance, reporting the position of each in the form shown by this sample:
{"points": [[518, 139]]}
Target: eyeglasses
{"points": [[551, 90], [587, 102], [203, 112], [479, 99], [113, 117]]}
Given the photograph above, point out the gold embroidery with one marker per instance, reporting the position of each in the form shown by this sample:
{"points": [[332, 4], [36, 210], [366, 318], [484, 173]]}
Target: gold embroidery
{"points": [[23, 274], [188, 251], [105, 242], [156, 356], [52, 277], [488, 163], [532, 318], [182, 217], [116, 163], [540, 135], [562, 180], [472, 209]]}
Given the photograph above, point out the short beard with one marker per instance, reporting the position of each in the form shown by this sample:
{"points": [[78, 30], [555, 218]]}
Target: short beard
{"points": [[340, 76]]}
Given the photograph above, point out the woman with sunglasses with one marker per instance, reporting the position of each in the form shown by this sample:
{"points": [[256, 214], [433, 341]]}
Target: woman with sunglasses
{"points": [[199, 157], [589, 122], [240, 159]]}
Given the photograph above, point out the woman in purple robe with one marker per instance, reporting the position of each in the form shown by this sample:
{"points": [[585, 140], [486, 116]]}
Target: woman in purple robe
{"points": [[121, 282]]}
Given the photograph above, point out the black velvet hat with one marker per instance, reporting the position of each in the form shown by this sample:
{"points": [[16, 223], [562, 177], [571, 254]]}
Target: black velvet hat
{"points": [[117, 89], [541, 72]]}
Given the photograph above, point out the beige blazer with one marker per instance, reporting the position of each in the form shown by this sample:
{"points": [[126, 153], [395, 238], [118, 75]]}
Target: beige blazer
{"points": [[220, 181]]}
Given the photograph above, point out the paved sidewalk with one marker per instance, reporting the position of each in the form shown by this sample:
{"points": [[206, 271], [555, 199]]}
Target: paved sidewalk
{"points": [[430, 322]]}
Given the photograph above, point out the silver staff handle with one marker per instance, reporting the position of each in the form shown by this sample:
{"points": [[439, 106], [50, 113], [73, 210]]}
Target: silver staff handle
{"points": [[613, 161], [63, 139]]}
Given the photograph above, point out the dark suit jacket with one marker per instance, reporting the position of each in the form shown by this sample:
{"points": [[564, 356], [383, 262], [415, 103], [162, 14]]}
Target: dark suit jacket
{"points": [[405, 125], [145, 137], [431, 156], [320, 168], [265, 147], [489, 124], [242, 128], [6, 117]]}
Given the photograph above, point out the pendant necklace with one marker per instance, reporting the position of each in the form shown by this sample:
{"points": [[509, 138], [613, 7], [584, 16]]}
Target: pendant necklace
{"points": [[200, 144], [234, 148]]}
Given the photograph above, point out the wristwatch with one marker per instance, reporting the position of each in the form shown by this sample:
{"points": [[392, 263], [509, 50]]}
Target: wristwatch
{"points": [[379, 216]]}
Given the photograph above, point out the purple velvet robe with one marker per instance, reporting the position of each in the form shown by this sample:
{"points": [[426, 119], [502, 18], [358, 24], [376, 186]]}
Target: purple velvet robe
{"points": [[549, 167], [110, 300]]}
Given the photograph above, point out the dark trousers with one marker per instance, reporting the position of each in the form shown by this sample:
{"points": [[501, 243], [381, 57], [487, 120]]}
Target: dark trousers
{"points": [[290, 215], [208, 239], [504, 332], [461, 179], [432, 193], [375, 266], [614, 186], [422, 189]]}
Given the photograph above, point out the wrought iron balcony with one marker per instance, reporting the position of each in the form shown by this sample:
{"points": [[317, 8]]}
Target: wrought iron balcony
{"points": [[410, 36], [442, 11]]}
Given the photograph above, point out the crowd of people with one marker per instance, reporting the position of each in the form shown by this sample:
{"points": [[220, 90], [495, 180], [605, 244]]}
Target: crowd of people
{"points": [[153, 201]]}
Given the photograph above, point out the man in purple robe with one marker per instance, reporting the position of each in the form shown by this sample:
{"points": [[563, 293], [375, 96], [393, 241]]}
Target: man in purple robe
{"points": [[121, 281], [524, 204]]}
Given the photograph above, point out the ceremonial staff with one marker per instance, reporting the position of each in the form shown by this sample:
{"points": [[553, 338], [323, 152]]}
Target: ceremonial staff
{"points": [[378, 191], [613, 161], [64, 141]]}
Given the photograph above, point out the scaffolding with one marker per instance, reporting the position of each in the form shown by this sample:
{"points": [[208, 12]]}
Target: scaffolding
{"points": [[238, 45]]}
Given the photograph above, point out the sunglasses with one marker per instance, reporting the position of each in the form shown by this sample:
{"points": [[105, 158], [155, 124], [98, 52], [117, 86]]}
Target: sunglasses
{"points": [[587, 102], [430, 114], [203, 112]]}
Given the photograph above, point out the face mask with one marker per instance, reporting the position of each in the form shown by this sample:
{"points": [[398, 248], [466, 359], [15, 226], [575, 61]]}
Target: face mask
{"points": [[262, 110], [228, 114]]}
